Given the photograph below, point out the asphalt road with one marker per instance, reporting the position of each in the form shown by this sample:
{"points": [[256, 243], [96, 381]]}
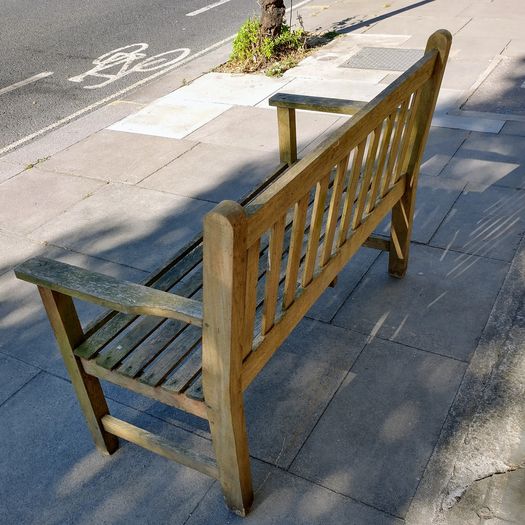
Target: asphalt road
{"points": [[64, 37]]}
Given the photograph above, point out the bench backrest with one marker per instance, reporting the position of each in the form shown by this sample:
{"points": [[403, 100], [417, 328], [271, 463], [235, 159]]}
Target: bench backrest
{"points": [[267, 263]]}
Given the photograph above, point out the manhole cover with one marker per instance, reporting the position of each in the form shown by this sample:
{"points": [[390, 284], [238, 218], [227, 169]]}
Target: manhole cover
{"points": [[387, 58]]}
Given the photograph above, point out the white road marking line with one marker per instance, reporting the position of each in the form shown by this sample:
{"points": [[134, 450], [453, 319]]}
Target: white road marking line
{"points": [[123, 91], [29, 80], [207, 8], [523, 85]]}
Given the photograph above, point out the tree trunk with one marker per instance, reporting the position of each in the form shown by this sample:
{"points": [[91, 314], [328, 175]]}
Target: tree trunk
{"points": [[272, 14]]}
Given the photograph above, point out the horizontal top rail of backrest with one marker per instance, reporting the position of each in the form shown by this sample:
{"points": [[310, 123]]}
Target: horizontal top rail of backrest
{"points": [[303, 175]]}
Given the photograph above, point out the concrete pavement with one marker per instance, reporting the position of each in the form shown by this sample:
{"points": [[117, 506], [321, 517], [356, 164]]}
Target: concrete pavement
{"points": [[404, 408]]}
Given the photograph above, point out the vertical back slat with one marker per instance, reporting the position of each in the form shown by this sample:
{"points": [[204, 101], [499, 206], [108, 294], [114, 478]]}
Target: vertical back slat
{"points": [[333, 212], [399, 126], [365, 183], [350, 192], [315, 229], [408, 136], [252, 276], [275, 254], [294, 253], [383, 150]]}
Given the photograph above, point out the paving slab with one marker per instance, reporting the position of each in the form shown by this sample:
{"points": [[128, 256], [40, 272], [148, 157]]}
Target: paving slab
{"points": [[284, 499], [285, 401], [502, 90], [484, 221], [332, 299], [509, 26], [442, 145], [327, 66], [462, 73], [116, 156], [481, 124], [513, 127], [8, 170], [479, 44], [343, 42], [515, 46], [382, 426], [180, 76], [346, 89], [487, 160], [14, 249], [488, 9], [46, 195], [441, 305], [483, 435], [174, 120], [439, 7], [256, 128], [228, 88], [69, 134], [14, 374], [213, 172], [101, 118], [127, 224], [49, 466], [414, 24], [26, 333], [435, 198]]}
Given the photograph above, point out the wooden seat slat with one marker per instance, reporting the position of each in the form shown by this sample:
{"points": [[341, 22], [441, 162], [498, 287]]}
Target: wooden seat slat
{"points": [[146, 352], [186, 371], [116, 324], [136, 333], [168, 359]]}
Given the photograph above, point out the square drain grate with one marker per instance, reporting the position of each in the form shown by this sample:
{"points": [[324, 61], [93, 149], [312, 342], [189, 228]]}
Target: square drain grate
{"points": [[387, 58]]}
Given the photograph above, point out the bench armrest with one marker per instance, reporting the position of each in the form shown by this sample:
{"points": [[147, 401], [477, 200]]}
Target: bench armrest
{"points": [[116, 294], [329, 105]]}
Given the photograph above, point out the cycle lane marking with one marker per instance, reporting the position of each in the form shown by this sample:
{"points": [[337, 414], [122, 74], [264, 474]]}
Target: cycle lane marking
{"points": [[129, 59], [25, 82], [123, 91], [207, 8]]}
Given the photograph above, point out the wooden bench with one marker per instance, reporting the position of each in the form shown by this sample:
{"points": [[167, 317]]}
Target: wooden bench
{"points": [[197, 332]]}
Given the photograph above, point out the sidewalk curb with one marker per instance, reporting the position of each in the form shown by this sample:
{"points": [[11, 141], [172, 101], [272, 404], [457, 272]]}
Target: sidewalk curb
{"points": [[468, 449]]}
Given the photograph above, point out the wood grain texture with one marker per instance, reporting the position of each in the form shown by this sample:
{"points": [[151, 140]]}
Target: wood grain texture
{"points": [[333, 212], [322, 104], [106, 291], [161, 446], [225, 253], [267, 346], [275, 254], [294, 253], [403, 212], [286, 128], [315, 229], [68, 332]]}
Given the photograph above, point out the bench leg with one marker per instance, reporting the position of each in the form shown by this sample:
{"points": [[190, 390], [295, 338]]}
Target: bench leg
{"points": [[400, 233], [230, 442], [68, 332]]}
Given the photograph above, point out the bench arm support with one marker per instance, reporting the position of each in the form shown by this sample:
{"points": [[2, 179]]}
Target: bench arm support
{"points": [[328, 105], [109, 292]]}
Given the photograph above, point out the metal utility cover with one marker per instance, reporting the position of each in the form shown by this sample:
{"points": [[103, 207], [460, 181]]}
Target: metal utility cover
{"points": [[386, 58]]}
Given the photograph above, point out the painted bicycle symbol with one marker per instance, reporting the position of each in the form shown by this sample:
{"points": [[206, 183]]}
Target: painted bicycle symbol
{"points": [[126, 60]]}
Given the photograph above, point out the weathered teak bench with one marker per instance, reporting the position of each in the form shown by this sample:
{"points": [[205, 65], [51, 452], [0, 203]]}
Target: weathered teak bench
{"points": [[198, 332]]}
